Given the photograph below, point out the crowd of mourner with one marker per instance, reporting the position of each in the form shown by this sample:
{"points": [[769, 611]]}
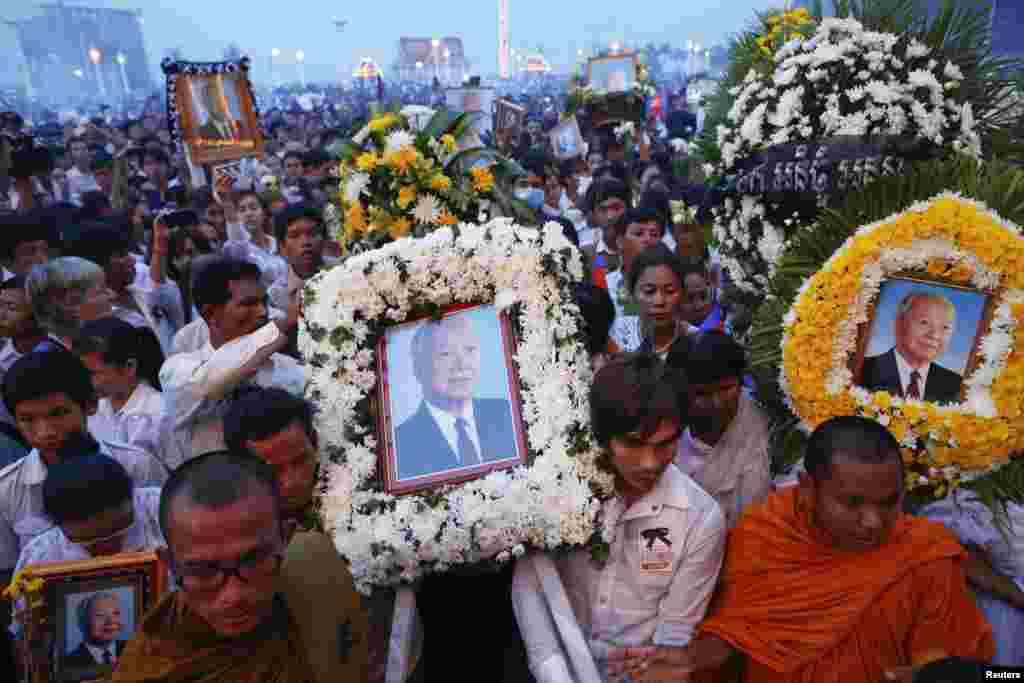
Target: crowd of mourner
{"points": [[153, 399]]}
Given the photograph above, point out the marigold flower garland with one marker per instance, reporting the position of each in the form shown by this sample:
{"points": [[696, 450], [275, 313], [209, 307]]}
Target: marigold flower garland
{"points": [[551, 503], [958, 240]]}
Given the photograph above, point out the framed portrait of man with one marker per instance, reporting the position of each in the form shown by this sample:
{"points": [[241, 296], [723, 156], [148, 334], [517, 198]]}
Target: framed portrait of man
{"points": [[613, 74], [214, 111], [450, 408], [509, 119], [567, 140], [922, 340], [89, 611]]}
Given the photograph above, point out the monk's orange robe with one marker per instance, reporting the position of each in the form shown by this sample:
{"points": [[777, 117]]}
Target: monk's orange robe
{"points": [[803, 611]]}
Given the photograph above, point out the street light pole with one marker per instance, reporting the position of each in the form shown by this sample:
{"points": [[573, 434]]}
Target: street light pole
{"points": [[274, 54], [95, 56], [300, 57], [121, 61]]}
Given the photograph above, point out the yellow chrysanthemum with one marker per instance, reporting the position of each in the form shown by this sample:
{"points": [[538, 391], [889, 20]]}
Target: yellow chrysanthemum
{"points": [[367, 161], [446, 218], [449, 142], [483, 179], [382, 123], [400, 228], [402, 160], [355, 221], [441, 183], [406, 196]]}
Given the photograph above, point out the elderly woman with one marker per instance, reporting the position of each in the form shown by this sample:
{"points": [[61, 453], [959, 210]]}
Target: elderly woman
{"points": [[67, 292]]}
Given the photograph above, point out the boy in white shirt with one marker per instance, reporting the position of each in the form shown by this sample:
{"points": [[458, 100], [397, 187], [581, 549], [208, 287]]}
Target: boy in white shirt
{"points": [[668, 535]]}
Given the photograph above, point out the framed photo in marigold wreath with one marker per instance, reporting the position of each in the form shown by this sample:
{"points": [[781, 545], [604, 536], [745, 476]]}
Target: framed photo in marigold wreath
{"points": [[450, 406], [922, 339]]}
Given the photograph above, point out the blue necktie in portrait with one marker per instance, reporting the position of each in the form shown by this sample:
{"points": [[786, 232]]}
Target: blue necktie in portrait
{"points": [[467, 451]]}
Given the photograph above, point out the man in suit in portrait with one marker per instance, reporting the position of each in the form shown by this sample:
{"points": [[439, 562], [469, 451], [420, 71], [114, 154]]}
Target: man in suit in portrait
{"points": [[100, 622], [220, 124], [452, 428], [925, 323]]}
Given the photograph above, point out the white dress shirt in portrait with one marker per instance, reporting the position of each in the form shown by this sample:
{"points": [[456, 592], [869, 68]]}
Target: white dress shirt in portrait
{"points": [[653, 590], [446, 421]]}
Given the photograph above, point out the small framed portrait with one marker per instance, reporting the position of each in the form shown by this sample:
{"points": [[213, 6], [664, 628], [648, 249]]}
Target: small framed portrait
{"points": [[922, 339], [509, 118], [612, 74], [567, 140], [215, 111], [88, 613], [449, 396]]}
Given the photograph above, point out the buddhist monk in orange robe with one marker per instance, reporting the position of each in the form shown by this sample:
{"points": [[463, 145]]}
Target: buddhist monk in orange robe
{"points": [[830, 581]]}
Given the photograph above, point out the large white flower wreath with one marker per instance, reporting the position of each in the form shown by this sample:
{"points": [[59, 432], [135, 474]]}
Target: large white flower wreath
{"points": [[551, 502], [842, 81]]}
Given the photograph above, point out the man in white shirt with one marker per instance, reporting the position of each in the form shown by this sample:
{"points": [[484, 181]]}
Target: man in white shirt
{"points": [[80, 177], [725, 448], [654, 583], [243, 348], [50, 395]]}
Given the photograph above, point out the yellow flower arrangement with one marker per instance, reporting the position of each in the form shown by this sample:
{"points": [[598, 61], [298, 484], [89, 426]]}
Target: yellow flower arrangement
{"points": [[441, 183], [406, 196], [383, 123], [367, 162], [951, 441], [483, 180], [23, 585], [400, 227], [446, 218], [396, 180], [783, 28]]}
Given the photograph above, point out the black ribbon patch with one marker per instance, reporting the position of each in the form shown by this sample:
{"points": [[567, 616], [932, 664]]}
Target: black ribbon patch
{"points": [[652, 535]]}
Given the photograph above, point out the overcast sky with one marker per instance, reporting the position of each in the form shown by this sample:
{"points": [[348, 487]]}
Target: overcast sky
{"points": [[202, 28]]}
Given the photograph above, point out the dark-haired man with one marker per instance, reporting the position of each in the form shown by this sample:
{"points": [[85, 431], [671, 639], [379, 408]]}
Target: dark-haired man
{"points": [[610, 198], [634, 231], [669, 537], [250, 606], [832, 577], [301, 235], [243, 348], [725, 448]]}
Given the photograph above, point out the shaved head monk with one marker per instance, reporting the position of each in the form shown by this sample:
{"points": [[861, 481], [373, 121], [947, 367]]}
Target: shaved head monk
{"points": [[830, 581]]}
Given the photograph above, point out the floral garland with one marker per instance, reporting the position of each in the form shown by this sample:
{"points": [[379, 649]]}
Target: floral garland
{"points": [[552, 502], [842, 81], [955, 239], [402, 176]]}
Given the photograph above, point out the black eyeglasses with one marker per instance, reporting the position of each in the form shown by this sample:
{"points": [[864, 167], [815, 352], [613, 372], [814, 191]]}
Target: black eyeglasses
{"points": [[207, 577]]}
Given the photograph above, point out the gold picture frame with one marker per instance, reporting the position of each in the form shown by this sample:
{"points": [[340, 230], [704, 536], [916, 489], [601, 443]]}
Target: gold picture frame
{"points": [[52, 639]]}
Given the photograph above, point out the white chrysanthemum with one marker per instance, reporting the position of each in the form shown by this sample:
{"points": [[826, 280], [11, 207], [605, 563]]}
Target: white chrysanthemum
{"points": [[398, 140], [953, 72], [356, 186], [427, 209]]}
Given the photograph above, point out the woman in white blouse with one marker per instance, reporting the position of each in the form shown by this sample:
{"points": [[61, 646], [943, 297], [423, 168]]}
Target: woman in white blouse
{"points": [[657, 284], [124, 362]]}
